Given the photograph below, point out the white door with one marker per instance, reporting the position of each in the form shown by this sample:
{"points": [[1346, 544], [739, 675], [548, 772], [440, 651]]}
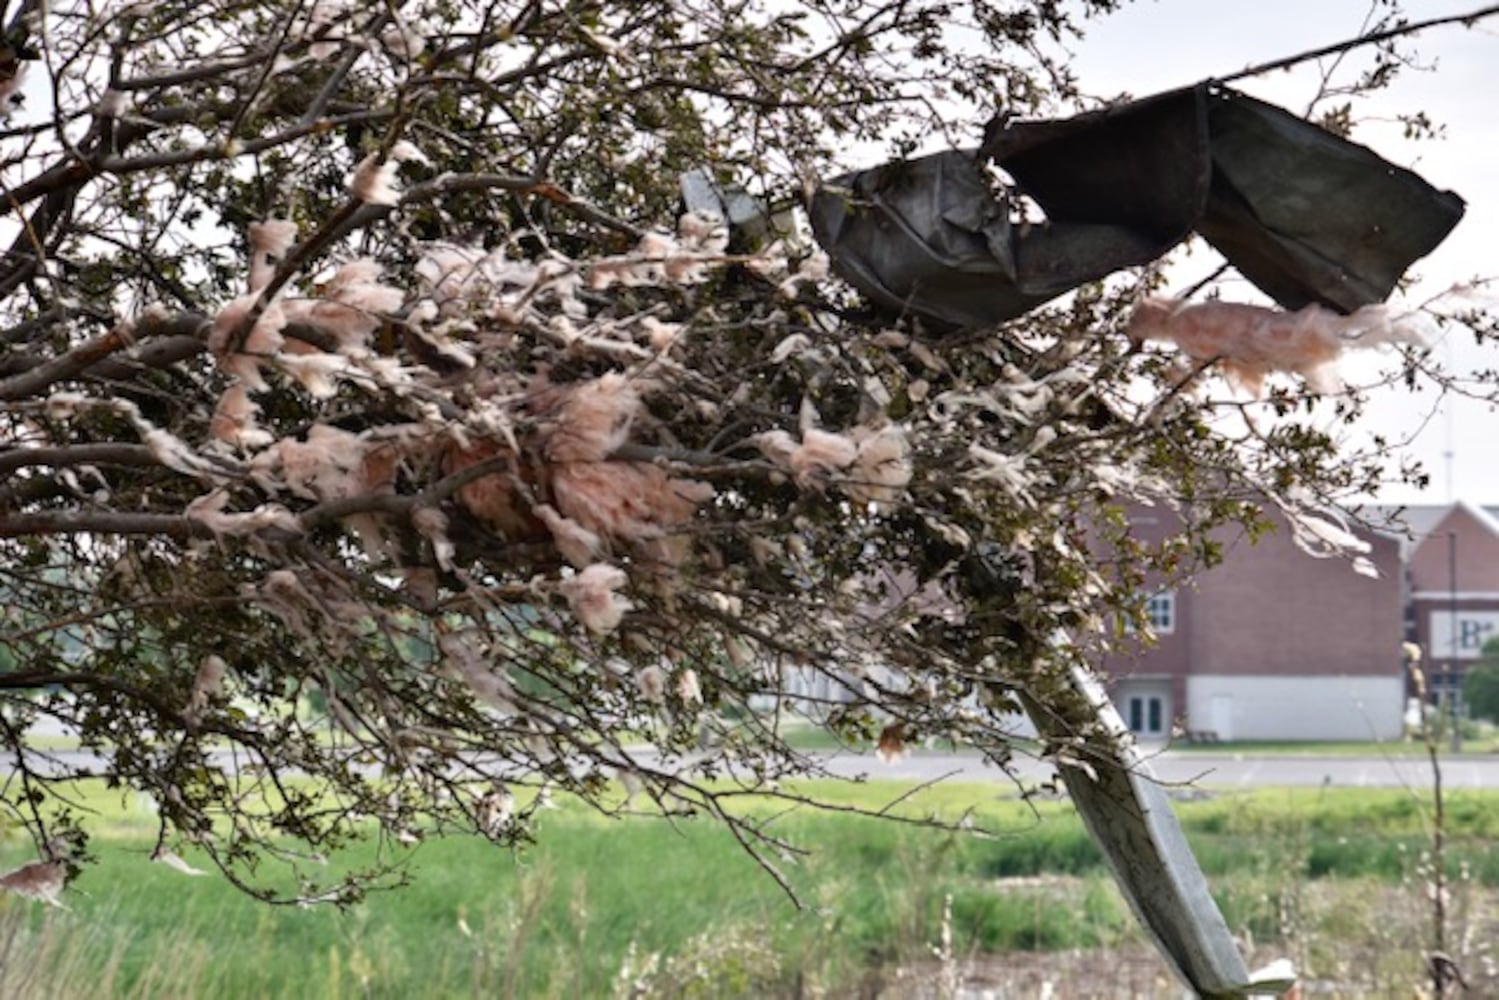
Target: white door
{"points": [[1221, 715], [1146, 714]]}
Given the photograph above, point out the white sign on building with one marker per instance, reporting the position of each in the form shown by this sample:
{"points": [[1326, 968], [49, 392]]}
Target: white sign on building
{"points": [[1472, 629]]}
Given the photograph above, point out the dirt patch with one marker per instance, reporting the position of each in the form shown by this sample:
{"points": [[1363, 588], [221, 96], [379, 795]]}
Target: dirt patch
{"points": [[1127, 973], [1132, 972]]}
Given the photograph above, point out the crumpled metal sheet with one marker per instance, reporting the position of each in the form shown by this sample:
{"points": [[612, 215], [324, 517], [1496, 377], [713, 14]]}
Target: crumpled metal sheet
{"points": [[731, 203], [1305, 215], [1130, 818]]}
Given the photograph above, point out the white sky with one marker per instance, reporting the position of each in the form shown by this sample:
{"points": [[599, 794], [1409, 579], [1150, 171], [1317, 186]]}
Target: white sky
{"points": [[1154, 45]]}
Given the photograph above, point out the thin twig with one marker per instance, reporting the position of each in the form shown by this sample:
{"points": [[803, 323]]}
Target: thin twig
{"points": [[1372, 38]]}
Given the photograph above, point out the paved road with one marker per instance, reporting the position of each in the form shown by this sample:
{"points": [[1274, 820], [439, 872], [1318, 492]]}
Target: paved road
{"points": [[1198, 769], [1211, 770]]}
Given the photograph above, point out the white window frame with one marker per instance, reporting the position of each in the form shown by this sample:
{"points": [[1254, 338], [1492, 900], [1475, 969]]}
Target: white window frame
{"points": [[1140, 710], [1160, 612]]}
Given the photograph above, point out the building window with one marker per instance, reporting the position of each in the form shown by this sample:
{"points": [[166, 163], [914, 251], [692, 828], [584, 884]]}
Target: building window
{"points": [[1160, 612]]}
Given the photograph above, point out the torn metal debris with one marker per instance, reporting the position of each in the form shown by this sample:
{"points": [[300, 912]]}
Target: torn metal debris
{"points": [[1307, 216]]}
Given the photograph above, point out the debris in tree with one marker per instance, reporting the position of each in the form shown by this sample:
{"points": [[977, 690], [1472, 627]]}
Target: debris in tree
{"points": [[163, 856], [1307, 216], [1251, 341], [39, 880], [892, 745]]}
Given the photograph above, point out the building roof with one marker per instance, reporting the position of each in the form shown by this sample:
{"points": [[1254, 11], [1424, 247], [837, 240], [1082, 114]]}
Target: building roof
{"points": [[1413, 522]]}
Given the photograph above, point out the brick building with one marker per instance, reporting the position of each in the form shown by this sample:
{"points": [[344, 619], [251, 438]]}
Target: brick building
{"points": [[1272, 644], [1453, 575]]}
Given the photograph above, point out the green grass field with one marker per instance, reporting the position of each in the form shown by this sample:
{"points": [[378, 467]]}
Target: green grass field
{"points": [[601, 906]]}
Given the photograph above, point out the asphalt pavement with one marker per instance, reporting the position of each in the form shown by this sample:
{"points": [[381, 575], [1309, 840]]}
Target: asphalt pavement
{"points": [[1204, 769]]}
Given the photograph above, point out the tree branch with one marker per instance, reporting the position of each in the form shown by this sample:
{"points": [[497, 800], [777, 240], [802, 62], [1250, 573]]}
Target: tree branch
{"points": [[76, 454], [181, 336], [30, 383], [80, 522], [1373, 38]]}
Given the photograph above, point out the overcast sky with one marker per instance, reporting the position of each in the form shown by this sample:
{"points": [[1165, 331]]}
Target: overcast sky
{"points": [[1153, 45]]}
